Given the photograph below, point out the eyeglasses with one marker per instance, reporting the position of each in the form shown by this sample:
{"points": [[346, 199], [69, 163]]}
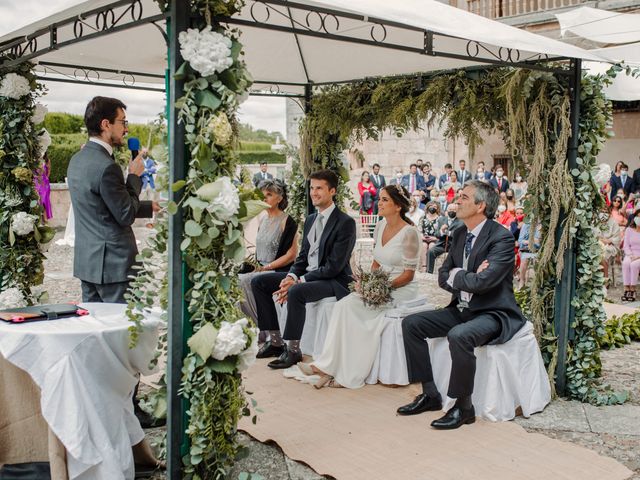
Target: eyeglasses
{"points": [[125, 123]]}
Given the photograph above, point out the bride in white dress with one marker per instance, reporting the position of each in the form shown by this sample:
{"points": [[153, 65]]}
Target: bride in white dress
{"points": [[353, 335]]}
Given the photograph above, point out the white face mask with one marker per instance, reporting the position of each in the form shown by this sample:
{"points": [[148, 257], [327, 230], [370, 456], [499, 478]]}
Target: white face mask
{"points": [[501, 208], [480, 172], [442, 199], [623, 173], [636, 220], [398, 175], [518, 179], [499, 174]]}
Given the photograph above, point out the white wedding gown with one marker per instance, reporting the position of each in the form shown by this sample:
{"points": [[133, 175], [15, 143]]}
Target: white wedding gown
{"points": [[353, 335]]}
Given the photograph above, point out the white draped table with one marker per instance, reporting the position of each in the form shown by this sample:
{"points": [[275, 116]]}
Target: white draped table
{"points": [[86, 374]]}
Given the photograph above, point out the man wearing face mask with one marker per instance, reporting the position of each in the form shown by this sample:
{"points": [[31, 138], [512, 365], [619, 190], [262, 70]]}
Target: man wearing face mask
{"points": [[500, 183], [441, 198], [624, 182], [444, 229], [481, 173], [397, 180]]}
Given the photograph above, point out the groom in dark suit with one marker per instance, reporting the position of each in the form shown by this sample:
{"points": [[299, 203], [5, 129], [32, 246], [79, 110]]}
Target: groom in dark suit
{"points": [[321, 270], [483, 309], [105, 205]]}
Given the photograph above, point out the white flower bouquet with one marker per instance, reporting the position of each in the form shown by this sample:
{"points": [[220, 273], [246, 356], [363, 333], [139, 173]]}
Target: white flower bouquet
{"points": [[223, 198], [207, 52], [373, 287], [38, 114], [14, 86], [23, 223], [220, 129], [44, 141], [12, 298]]}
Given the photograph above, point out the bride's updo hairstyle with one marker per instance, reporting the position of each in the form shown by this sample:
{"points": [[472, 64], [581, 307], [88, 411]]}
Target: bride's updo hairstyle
{"points": [[400, 196]]}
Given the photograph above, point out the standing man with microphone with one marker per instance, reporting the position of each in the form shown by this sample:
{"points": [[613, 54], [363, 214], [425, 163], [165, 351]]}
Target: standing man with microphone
{"points": [[105, 205]]}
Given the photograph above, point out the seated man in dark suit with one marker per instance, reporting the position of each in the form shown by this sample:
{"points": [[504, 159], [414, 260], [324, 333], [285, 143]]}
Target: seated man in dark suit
{"points": [[445, 227], [483, 309], [321, 270]]}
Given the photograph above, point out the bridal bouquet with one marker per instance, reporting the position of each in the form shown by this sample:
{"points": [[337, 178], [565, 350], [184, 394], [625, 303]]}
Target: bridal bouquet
{"points": [[373, 287]]}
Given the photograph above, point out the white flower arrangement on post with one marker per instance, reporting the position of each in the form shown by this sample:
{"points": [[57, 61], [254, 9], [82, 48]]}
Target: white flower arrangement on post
{"points": [[214, 207], [21, 147]]}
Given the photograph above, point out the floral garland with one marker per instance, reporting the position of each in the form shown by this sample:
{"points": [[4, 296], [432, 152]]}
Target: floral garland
{"points": [[22, 145], [214, 208]]}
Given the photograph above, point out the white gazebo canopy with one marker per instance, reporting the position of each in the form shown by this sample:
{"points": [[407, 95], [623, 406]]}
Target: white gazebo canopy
{"points": [[602, 26], [287, 44]]}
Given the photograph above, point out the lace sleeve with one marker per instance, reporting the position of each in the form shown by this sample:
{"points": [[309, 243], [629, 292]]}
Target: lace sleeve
{"points": [[411, 249]]}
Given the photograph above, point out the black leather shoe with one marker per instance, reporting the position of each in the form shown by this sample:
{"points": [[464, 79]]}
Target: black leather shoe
{"points": [[268, 350], [286, 360], [455, 418], [422, 403]]}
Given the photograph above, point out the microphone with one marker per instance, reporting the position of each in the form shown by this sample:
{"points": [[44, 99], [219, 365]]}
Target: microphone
{"points": [[134, 145]]}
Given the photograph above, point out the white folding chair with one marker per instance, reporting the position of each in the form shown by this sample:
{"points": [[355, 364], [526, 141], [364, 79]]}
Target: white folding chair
{"points": [[365, 241]]}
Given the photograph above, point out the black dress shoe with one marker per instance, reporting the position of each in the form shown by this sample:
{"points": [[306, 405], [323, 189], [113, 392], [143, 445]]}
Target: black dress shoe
{"points": [[422, 403], [286, 360], [268, 350], [455, 418]]}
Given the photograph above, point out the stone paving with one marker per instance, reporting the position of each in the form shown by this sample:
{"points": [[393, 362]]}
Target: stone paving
{"points": [[611, 431]]}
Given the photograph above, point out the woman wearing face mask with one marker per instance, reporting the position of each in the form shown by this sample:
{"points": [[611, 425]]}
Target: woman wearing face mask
{"points": [[452, 186], [609, 240], [631, 261], [367, 194], [428, 225], [505, 217], [519, 188], [510, 197]]}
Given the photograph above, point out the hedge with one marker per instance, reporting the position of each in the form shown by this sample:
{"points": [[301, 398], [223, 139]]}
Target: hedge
{"points": [[63, 123], [255, 146], [60, 156], [257, 157]]}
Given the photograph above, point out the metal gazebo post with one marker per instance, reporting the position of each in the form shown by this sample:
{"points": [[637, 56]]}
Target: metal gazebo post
{"points": [[307, 108], [564, 312], [179, 326]]}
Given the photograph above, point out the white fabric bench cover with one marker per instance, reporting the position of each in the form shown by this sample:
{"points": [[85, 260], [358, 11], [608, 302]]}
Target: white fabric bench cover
{"points": [[316, 323], [508, 376]]}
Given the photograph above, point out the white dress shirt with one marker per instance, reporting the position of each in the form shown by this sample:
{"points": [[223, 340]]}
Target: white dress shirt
{"points": [[102, 143]]}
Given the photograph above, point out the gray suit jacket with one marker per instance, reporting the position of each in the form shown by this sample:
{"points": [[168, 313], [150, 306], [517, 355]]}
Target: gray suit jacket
{"points": [[104, 207], [257, 178]]}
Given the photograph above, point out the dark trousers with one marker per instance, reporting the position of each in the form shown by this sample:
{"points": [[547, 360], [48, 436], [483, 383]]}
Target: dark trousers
{"points": [[104, 292], [464, 332], [434, 252], [264, 286]]}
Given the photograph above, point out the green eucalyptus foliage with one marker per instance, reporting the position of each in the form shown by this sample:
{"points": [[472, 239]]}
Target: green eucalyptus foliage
{"points": [[213, 249], [21, 260]]}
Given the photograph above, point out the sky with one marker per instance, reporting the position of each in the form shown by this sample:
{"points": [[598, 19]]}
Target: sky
{"points": [[260, 112]]}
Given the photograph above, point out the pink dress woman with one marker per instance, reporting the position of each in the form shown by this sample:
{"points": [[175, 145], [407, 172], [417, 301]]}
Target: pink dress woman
{"points": [[41, 181]]}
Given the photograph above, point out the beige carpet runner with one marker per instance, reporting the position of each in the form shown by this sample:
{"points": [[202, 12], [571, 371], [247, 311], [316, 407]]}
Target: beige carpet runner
{"points": [[356, 434]]}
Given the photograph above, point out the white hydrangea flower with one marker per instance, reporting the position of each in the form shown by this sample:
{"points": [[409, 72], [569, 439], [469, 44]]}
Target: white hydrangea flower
{"points": [[248, 356], [220, 129], [12, 298], [44, 140], [231, 340], [601, 174], [227, 202], [206, 51], [14, 86], [39, 114], [22, 223]]}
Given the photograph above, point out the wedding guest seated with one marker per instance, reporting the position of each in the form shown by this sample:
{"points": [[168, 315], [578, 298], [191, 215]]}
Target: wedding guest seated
{"points": [[631, 261], [505, 216], [353, 336], [609, 240], [483, 310], [429, 225], [415, 213], [276, 243], [444, 229], [440, 196], [321, 270]]}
